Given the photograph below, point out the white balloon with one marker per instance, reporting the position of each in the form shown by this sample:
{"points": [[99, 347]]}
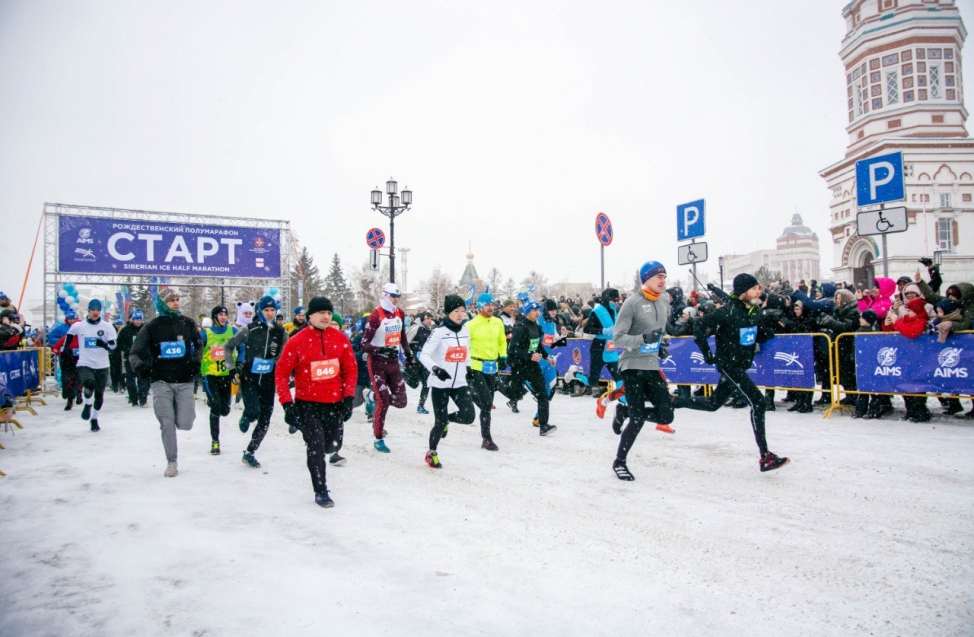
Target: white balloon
{"points": [[62, 294]]}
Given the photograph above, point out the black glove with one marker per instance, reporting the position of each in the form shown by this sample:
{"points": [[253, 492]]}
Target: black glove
{"points": [[823, 320], [926, 261], [235, 376], [391, 352], [664, 351], [653, 337], [410, 359], [291, 415], [561, 342], [102, 344], [346, 408], [708, 357], [441, 374], [502, 362], [143, 370]]}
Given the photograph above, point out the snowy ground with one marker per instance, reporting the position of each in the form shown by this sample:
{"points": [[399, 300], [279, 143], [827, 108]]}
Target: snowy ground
{"points": [[867, 531]]}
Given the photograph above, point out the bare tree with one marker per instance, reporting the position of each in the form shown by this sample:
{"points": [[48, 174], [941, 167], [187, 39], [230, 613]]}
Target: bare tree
{"points": [[540, 283], [766, 276], [509, 289], [494, 281], [438, 286], [366, 286]]}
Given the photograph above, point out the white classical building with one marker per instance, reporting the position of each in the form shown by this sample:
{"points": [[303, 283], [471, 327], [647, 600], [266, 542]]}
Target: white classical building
{"points": [[796, 256], [902, 61]]}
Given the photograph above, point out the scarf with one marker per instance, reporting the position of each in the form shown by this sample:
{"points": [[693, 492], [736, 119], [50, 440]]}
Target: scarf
{"points": [[650, 295], [386, 304], [450, 325]]}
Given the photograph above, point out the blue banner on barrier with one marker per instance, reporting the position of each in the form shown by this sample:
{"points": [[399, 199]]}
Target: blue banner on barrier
{"points": [[130, 246], [788, 360], [19, 371], [894, 364]]}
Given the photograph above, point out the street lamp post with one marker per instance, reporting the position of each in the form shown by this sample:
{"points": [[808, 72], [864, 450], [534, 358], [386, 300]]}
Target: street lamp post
{"points": [[720, 264], [395, 208]]}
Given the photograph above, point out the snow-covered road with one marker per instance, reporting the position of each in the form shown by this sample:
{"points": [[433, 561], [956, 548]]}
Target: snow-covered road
{"points": [[867, 531]]}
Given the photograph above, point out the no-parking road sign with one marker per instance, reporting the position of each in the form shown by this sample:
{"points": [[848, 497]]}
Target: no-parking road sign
{"points": [[603, 228], [375, 238]]}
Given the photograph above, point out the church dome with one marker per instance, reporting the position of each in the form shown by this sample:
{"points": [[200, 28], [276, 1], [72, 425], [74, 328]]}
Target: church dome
{"points": [[797, 227]]}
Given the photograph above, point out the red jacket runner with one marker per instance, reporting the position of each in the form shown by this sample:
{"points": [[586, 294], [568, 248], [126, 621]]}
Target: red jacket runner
{"points": [[323, 364]]}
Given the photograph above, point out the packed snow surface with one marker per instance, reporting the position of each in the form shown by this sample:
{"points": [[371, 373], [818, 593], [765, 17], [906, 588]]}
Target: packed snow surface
{"points": [[868, 530]]}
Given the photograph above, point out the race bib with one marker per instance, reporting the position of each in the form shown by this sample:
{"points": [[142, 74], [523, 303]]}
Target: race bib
{"points": [[489, 367], [456, 354], [548, 340], [262, 366], [75, 352], [651, 348], [533, 345], [172, 349], [324, 370], [749, 335], [610, 345], [91, 342], [217, 353], [393, 338]]}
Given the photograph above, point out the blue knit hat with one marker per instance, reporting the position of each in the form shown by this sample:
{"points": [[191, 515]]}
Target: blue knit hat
{"points": [[266, 301], [650, 269], [484, 299], [299, 310], [137, 315], [530, 305], [70, 315], [94, 304]]}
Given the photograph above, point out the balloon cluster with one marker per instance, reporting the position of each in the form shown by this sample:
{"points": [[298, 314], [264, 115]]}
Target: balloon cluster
{"points": [[276, 295], [68, 299]]}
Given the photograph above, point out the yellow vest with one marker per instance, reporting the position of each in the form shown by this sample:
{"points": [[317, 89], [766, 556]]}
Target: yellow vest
{"points": [[487, 340]]}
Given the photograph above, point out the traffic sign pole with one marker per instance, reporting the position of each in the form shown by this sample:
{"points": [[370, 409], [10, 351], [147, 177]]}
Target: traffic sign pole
{"points": [[692, 241], [602, 250], [882, 206]]}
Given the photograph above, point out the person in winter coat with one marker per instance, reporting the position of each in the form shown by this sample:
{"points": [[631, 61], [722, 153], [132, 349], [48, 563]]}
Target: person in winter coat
{"points": [[446, 355], [300, 321], [798, 321], [321, 359], [168, 349], [874, 406], [136, 386], [844, 320], [602, 352], [825, 305], [261, 343], [525, 352], [67, 350], [677, 303], [879, 299], [739, 328], [912, 325], [639, 336]]}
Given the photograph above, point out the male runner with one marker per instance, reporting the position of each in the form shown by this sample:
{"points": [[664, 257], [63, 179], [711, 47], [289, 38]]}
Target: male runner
{"points": [[96, 339]]}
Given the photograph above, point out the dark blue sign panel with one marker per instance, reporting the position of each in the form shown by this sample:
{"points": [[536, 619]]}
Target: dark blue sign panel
{"points": [[18, 371], [690, 220], [895, 364], [880, 179], [137, 247], [787, 360]]}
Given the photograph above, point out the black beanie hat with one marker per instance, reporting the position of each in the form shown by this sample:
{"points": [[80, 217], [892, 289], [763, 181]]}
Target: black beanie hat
{"points": [[452, 302], [217, 310], [870, 316], [550, 305], [319, 304], [744, 282]]}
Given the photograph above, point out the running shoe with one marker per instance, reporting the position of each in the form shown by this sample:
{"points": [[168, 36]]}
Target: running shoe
{"points": [[770, 462], [433, 460]]}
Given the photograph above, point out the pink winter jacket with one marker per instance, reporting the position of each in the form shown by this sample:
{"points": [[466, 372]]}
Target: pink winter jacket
{"points": [[881, 304]]}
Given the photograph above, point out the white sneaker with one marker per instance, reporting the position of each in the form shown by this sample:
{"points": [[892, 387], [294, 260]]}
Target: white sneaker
{"points": [[171, 470]]}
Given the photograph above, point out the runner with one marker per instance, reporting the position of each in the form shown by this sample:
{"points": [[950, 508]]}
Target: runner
{"points": [[447, 356], [416, 336], [639, 335], [300, 321], [137, 386], [262, 342], [488, 353], [67, 350], [216, 376], [168, 350], [115, 360], [96, 339], [324, 368], [526, 352], [603, 353], [381, 340], [550, 339], [738, 328]]}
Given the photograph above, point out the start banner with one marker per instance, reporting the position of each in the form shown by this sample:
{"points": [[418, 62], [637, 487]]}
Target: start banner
{"points": [[787, 360], [94, 245], [895, 364], [19, 371]]}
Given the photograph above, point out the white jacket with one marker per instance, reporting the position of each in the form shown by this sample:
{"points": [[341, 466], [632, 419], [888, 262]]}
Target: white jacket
{"points": [[449, 351]]}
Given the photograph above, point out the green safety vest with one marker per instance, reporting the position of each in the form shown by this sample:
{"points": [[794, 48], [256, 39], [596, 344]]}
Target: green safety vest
{"points": [[215, 365]]}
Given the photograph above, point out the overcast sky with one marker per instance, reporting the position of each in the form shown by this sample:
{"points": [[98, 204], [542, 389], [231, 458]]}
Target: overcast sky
{"points": [[513, 123]]}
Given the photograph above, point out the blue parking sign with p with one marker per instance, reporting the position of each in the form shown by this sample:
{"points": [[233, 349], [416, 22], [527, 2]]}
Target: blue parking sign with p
{"points": [[880, 179], [690, 220]]}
